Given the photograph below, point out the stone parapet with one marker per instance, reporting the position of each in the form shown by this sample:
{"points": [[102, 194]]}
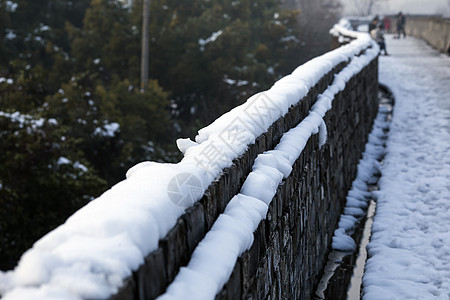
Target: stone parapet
{"points": [[290, 247], [434, 30]]}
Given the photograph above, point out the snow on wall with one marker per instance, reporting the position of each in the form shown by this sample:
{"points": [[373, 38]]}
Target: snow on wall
{"points": [[99, 246], [232, 233], [359, 195]]}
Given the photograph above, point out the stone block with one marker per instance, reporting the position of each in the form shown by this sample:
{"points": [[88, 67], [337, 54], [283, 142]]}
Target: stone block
{"points": [[174, 246], [194, 219], [269, 138], [210, 207], [249, 264], [233, 288], [261, 238], [272, 216], [261, 144], [224, 191], [127, 291], [152, 276]]}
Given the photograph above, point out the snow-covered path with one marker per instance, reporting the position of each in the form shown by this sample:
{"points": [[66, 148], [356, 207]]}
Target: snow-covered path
{"points": [[410, 245]]}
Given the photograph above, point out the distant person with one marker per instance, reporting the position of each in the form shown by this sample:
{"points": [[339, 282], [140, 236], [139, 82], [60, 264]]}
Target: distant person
{"points": [[387, 24], [377, 35], [373, 24], [400, 25]]}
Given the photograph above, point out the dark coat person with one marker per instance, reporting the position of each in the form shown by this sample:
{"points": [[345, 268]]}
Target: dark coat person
{"points": [[400, 22], [373, 24]]}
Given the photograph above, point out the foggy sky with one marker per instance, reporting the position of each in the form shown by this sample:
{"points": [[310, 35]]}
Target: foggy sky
{"points": [[406, 6]]}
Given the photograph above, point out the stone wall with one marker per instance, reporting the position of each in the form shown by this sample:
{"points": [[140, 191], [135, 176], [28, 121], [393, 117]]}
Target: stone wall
{"points": [[290, 247], [434, 30]]}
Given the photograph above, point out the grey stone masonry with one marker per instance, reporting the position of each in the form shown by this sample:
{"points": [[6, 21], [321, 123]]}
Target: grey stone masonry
{"points": [[434, 30], [290, 246]]}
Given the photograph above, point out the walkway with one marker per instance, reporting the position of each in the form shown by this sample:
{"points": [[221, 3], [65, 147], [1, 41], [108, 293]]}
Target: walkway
{"points": [[410, 245]]}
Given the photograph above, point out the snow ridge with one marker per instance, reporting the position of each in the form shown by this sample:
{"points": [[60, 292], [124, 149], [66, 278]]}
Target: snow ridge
{"points": [[359, 195]]}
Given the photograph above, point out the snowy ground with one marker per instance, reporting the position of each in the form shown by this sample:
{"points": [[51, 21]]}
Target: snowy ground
{"points": [[410, 245]]}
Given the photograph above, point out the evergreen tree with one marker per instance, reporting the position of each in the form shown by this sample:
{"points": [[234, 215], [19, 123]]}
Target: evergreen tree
{"points": [[315, 18], [212, 55], [33, 24], [118, 126], [43, 176], [5, 24], [106, 46], [105, 53], [72, 119]]}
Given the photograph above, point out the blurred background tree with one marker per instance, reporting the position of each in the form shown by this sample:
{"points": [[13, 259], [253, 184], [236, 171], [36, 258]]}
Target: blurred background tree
{"points": [[72, 118]]}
